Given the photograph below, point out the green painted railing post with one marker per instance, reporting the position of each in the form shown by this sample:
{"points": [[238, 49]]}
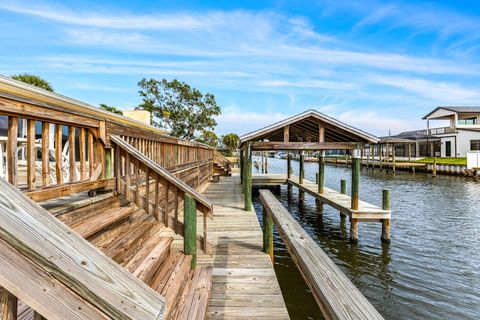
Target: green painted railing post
{"points": [[267, 234], [248, 178], [108, 164], [316, 178], [241, 167], [321, 172], [289, 165], [190, 228], [386, 222], [302, 172], [343, 186], [355, 178]]}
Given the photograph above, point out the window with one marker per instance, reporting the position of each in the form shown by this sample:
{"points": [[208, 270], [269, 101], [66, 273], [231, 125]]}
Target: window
{"points": [[474, 145], [467, 121]]}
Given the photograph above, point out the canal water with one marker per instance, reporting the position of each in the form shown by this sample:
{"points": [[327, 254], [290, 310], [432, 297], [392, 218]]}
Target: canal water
{"points": [[431, 268]]}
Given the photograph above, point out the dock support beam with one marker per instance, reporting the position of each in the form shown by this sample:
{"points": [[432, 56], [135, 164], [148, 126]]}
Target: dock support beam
{"points": [[248, 177], [355, 178], [267, 234], [302, 172], [386, 222], [190, 228], [321, 172]]}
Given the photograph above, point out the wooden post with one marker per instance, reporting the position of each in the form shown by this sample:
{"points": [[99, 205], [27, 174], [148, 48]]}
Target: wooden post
{"points": [[354, 230], [248, 178], [71, 153], [266, 163], [242, 163], [108, 163], [267, 234], [8, 305], [289, 165], [302, 173], [263, 162], [31, 155], [321, 172], [316, 178], [343, 186], [83, 154], [45, 154], [190, 228], [393, 157], [12, 157], [434, 167], [355, 178], [386, 222]]}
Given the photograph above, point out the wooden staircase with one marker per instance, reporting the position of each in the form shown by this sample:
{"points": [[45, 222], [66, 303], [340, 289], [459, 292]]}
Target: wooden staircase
{"points": [[136, 241], [221, 165]]}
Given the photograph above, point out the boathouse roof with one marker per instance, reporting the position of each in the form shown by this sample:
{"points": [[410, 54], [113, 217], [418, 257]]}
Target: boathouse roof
{"points": [[304, 127]]}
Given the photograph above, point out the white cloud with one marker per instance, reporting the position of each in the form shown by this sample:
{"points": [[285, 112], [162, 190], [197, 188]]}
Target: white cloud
{"points": [[323, 84]]}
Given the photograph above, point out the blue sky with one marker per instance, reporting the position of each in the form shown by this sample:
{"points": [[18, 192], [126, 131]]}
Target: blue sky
{"points": [[377, 65]]}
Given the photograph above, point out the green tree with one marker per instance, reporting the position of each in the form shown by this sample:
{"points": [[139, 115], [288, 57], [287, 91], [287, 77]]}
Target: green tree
{"points": [[33, 80], [110, 108], [208, 137], [177, 107], [230, 142]]}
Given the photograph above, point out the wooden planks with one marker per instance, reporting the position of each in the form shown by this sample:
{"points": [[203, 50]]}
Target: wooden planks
{"points": [[93, 224], [40, 237], [336, 295], [244, 282]]}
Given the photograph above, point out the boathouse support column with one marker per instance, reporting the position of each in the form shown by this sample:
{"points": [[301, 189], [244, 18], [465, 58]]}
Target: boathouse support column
{"points": [[343, 190], [248, 177], [386, 222], [321, 172], [302, 172], [266, 162], [289, 165], [355, 178], [267, 234], [190, 229]]}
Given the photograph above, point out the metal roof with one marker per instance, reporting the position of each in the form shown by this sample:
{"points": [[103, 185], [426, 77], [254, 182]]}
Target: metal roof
{"points": [[329, 122]]}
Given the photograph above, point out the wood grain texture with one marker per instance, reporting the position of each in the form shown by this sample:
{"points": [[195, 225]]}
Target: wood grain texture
{"points": [[71, 260], [336, 295], [12, 157], [40, 290]]}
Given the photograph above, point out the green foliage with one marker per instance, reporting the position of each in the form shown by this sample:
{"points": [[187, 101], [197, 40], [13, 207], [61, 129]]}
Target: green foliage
{"points": [[208, 137], [454, 161], [230, 142], [110, 108], [33, 80], [177, 107]]}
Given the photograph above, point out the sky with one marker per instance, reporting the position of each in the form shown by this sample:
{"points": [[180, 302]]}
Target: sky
{"points": [[376, 65]]}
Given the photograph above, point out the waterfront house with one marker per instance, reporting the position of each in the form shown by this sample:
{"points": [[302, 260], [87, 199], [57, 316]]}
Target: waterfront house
{"points": [[461, 136]]}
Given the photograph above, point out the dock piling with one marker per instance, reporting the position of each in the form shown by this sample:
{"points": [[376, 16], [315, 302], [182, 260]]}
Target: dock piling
{"points": [[321, 172], [302, 169], [289, 165], [248, 177], [267, 234], [355, 178], [386, 222], [190, 229]]}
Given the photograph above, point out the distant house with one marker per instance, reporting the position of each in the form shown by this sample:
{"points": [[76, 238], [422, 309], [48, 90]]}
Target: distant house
{"points": [[460, 137]]}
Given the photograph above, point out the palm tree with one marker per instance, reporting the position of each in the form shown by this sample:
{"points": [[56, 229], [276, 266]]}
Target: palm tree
{"points": [[110, 108], [33, 80]]}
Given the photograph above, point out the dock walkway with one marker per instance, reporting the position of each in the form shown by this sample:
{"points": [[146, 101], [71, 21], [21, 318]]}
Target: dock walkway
{"points": [[244, 281]]}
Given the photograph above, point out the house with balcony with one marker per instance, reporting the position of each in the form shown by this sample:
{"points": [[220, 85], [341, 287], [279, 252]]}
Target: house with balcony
{"points": [[462, 135]]}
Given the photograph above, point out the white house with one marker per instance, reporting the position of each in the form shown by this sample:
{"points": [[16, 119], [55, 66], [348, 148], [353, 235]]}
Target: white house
{"points": [[461, 136]]}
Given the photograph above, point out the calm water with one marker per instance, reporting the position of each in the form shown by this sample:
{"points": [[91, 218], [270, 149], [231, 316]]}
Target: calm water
{"points": [[431, 269]]}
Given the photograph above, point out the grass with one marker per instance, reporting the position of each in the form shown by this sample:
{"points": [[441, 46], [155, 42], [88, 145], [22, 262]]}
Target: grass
{"points": [[456, 161]]}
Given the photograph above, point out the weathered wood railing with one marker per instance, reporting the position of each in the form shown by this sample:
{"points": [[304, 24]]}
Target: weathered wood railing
{"points": [[58, 273], [157, 190], [335, 294]]}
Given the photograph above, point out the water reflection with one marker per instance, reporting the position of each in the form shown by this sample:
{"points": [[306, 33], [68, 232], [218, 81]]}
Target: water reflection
{"points": [[429, 271]]}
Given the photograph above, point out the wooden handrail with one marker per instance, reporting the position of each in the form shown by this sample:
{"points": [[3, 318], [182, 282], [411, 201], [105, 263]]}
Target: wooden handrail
{"points": [[133, 152], [66, 257], [336, 295]]}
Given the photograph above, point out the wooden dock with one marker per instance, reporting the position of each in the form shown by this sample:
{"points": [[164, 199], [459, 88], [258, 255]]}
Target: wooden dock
{"points": [[244, 281], [366, 212]]}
